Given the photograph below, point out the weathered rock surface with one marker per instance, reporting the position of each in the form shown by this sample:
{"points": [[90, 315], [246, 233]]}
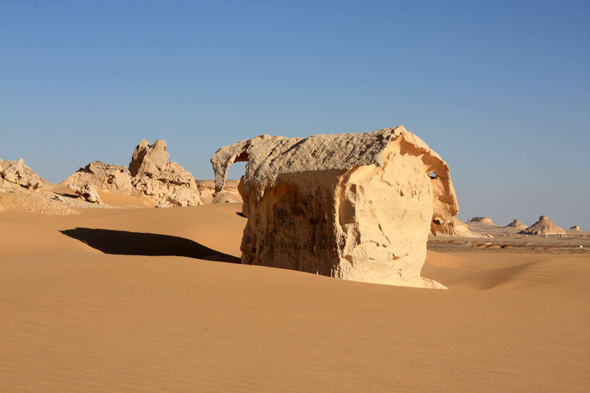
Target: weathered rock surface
{"points": [[102, 176], [543, 227], [516, 224], [18, 173], [170, 186], [352, 206], [148, 159], [575, 228], [229, 193], [87, 193]]}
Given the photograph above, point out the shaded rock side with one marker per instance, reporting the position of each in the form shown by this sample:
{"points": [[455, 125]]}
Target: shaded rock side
{"points": [[102, 176], [352, 206], [166, 183], [18, 173], [543, 227]]}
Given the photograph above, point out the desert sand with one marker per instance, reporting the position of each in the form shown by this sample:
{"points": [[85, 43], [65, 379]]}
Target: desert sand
{"points": [[148, 300]]}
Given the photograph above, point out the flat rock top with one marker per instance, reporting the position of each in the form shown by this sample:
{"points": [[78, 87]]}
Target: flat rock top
{"points": [[268, 156]]}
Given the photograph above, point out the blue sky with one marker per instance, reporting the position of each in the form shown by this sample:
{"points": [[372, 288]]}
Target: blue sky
{"points": [[500, 89]]}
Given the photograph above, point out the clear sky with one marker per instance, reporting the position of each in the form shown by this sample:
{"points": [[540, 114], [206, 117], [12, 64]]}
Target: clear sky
{"points": [[500, 89]]}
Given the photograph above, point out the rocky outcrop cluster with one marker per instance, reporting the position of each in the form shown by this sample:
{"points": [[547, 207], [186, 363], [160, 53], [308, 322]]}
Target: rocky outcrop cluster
{"points": [[18, 173], [149, 174], [543, 227], [352, 206]]}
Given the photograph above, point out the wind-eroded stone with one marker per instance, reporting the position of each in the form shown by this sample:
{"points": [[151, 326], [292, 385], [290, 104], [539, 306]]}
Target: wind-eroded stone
{"points": [[352, 206]]}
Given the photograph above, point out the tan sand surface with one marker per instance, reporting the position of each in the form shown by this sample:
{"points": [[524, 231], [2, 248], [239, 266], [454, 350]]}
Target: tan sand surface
{"points": [[121, 300]]}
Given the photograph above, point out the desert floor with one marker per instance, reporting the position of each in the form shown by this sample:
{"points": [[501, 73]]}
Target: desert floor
{"points": [[149, 300]]}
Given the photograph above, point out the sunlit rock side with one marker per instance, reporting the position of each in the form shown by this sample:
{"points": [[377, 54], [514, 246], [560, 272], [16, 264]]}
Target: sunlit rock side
{"points": [[102, 176], [352, 206]]}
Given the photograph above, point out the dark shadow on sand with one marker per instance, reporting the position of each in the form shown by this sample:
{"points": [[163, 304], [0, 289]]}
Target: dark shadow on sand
{"points": [[136, 243]]}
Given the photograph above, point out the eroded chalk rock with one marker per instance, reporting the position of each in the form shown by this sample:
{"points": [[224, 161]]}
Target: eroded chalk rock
{"points": [[102, 176], [352, 206], [87, 192], [166, 183], [543, 227], [18, 173], [575, 228]]}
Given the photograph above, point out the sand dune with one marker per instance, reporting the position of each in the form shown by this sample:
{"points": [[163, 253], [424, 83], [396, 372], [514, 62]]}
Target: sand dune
{"points": [[122, 300]]}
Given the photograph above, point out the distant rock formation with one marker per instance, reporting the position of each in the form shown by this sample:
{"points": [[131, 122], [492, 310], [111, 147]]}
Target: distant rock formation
{"points": [[575, 228], [352, 206], [102, 176], [229, 193], [516, 225], [88, 193], [166, 183], [18, 173], [543, 227], [481, 220], [149, 174], [457, 228]]}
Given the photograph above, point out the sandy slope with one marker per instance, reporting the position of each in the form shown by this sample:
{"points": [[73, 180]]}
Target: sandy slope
{"points": [[118, 300]]}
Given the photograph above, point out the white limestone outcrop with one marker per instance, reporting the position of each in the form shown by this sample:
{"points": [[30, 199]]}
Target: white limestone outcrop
{"points": [[102, 176], [18, 173], [352, 206]]}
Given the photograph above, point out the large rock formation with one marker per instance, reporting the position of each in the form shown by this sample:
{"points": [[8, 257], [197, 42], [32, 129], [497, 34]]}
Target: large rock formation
{"points": [[102, 176], [516, 225], [543, 227], [18, 173], [352, 206], [167, 183]]}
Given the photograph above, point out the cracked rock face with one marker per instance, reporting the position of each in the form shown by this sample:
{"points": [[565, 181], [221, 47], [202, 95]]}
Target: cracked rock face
{"points": [[352, 206]]}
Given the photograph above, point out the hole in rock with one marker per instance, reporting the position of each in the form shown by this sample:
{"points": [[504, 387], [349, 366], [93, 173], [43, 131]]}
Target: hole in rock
{"points": [[432, 175]]}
